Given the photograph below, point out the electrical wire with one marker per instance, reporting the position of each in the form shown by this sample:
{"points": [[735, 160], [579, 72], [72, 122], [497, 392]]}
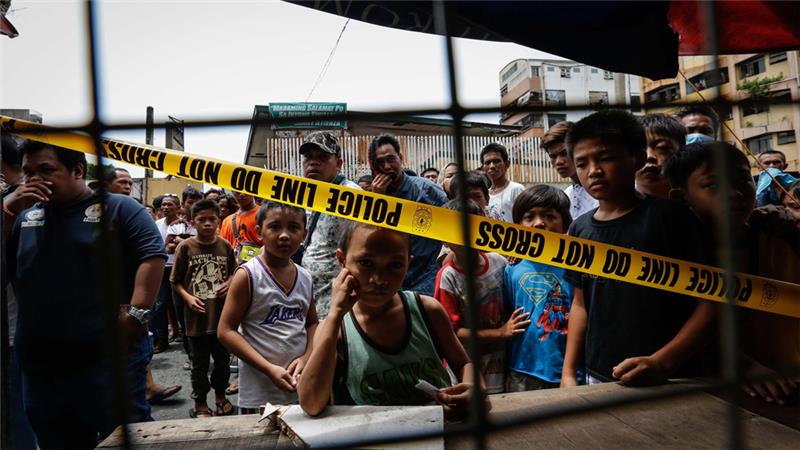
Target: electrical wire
{"points": [[327, 61]]}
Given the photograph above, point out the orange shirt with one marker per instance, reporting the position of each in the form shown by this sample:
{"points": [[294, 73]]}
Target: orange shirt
{"points": [[246, 223]]}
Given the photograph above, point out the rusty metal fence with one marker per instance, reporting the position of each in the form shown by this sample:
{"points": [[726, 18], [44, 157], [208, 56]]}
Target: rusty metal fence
{"points": [[529, 163], [423, 151]]}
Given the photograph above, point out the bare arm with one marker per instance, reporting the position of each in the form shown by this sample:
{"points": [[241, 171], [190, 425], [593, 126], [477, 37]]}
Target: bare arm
{"points": [[653, 369], [315, 387], [515, 325], [147, 282], [312, 321], [575, 340], [236, 305]]}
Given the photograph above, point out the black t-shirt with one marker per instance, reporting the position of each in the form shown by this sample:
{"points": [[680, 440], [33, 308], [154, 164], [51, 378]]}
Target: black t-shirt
{"points": [[627, 320], [53, 262]]}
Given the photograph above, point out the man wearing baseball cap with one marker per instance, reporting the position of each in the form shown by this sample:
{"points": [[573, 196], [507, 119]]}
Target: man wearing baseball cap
{"points": [[322, 161]]}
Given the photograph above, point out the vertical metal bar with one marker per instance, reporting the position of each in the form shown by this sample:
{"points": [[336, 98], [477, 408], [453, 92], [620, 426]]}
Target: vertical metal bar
{"points": [[107, 281], [478, 406], [725, 231]]}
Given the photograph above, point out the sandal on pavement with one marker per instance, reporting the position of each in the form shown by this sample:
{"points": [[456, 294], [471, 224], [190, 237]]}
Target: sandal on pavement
{"points": [[194, 414], [187, 366], [163, 394], [233, 389], [221, 411]]}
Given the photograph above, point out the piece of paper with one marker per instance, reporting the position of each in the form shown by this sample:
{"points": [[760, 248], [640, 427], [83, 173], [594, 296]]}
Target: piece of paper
{"points": [[427, 388], [269, 409]]}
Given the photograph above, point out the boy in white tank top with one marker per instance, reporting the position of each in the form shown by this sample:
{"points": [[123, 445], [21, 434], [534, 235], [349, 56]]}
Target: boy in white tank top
{"points": [[269, 318]]}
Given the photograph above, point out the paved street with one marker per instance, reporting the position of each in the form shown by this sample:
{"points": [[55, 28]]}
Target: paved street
{"points": [[167, 370]]}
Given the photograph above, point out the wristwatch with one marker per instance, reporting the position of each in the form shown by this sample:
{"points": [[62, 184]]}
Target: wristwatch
{"points": [[142, 315]]}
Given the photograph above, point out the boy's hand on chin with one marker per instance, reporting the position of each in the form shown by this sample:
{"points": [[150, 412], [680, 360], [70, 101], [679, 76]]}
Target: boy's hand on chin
{"points": [[640, 371], [344, 292]]}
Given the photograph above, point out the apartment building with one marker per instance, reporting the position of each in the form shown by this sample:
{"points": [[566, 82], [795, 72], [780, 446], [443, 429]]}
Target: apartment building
{"points": [[751, 79], [558, 83]]}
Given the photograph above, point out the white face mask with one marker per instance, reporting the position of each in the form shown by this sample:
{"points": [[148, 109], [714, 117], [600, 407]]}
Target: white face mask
{"points": [[696, 138]]}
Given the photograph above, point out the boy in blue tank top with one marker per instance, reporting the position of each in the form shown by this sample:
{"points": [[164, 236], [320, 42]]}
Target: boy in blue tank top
{"points": [[377, 341]]}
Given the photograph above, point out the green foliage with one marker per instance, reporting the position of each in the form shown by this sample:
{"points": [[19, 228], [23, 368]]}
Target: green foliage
{"points": [[757, 87]]}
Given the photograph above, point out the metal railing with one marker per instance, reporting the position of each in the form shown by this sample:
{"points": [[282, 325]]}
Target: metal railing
{"points": [[463, 150]]}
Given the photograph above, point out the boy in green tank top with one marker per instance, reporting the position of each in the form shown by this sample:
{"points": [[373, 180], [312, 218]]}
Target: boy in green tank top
{"points": [[378, 342]]}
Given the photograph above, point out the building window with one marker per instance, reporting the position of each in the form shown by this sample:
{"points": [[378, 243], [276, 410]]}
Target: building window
{"points": [[752, 67], [760, 144], [636, 103], [777, 57], [534, 71], [594, 70], [576, 69], [504, 90], [749, 108], [708, 79], [565, 72], [608, 75], [665, 94], [553, 97], [786, 137], [598, 98], [553, 119], [551, 69], [507, 74], [533, 120]]}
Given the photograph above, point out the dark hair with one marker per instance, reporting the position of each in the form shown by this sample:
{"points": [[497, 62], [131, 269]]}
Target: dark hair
{"points": [[497, 148], [556, 135], [11, 153], [424, 171], [172, 196], [410, 172], [365, 179], [191, 192], [109, 174], [268, 205], [219, 192], [203, 205], [664, 125], [473, 179], [773, 152], [700, 110], [612, 126], [230, 198], [380, 141], [70, 159], [682, 164], [350, 226], [472, 207], [157, 201], [542, 196]]}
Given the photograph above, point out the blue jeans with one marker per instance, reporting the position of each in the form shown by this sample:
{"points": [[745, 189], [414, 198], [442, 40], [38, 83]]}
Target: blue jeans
{"points": [[75, 407], [159, 323]]}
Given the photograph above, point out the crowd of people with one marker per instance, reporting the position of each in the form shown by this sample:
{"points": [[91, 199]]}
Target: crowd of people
{"points": [[317, 309]]}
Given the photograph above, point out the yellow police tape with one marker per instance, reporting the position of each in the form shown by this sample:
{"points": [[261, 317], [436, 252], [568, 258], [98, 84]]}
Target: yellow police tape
{"points": [[437, 223]]}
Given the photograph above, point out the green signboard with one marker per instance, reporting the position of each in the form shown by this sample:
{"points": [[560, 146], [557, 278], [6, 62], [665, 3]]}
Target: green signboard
{"points": [[308, 109]]}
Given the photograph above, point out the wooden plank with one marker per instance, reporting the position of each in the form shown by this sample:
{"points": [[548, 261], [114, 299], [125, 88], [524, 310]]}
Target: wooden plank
{"points": [[244, 427]]}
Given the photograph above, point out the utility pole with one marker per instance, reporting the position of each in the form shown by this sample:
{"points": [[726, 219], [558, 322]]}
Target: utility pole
{"points": [[148, 139]]}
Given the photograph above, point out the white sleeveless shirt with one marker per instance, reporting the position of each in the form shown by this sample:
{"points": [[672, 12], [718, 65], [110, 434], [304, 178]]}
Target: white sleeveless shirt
{"points": [[275, 326]]}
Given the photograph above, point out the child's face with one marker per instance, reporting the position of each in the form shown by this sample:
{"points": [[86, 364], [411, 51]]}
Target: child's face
{"points": [[187, 206], [659, 149], [282, 232], [606, 171], [701, 193], [378, 259], [544, 219], [206, 223], [791, 203], [476, 194]]}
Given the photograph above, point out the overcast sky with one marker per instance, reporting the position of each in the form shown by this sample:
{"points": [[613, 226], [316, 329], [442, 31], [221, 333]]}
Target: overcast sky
{"points": [[201, 59]]}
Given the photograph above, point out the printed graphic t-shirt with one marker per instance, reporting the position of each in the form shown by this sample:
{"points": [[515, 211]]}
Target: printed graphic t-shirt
{"points": [[201, 268], [543, 293], [503, 201]]}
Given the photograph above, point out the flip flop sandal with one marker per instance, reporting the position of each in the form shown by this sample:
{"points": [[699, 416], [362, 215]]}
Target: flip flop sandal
{"points": [[232, 389], [164, 394], [194, 414], [221, 408]]}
